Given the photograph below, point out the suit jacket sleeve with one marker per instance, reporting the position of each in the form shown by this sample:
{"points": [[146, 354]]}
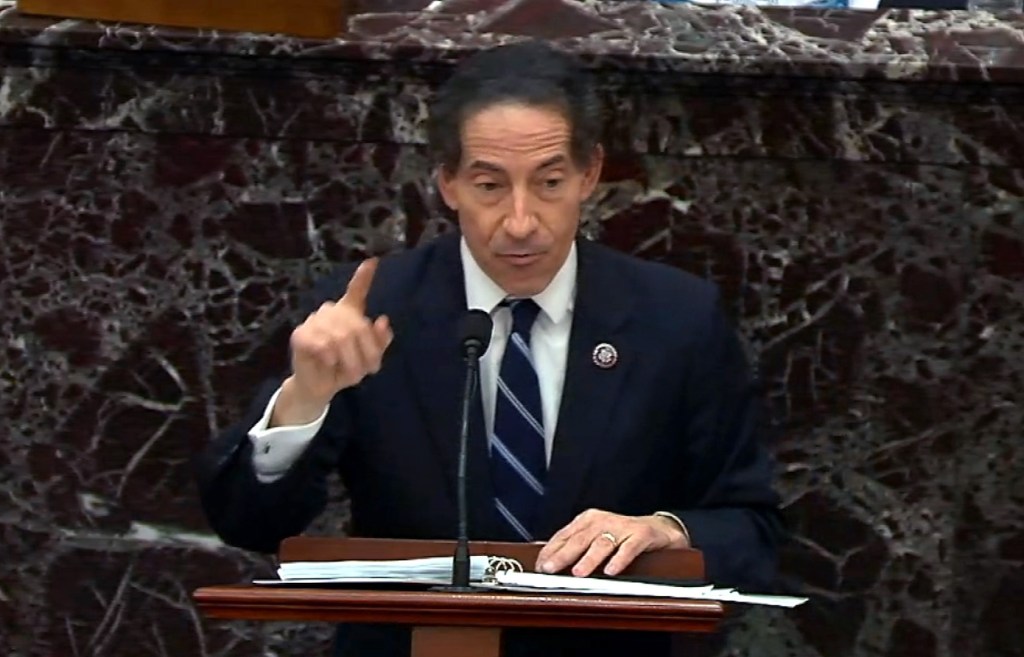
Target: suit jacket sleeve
{"points": [[736, 522], [257, 516]]}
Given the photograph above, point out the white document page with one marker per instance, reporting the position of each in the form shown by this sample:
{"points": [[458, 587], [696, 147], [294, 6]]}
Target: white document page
{"points": [[568, 584]]}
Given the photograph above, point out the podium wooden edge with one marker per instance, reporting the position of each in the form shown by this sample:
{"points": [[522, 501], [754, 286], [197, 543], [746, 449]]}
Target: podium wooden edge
{"points": [[440, 609], [475, 621], [317, 19]]}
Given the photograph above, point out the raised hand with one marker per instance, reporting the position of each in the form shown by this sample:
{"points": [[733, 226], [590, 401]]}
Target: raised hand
{"points": [[335, 348]]}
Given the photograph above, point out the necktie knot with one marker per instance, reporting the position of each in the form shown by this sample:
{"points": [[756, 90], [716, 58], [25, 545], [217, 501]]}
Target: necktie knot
{"points": [[524, 313]]}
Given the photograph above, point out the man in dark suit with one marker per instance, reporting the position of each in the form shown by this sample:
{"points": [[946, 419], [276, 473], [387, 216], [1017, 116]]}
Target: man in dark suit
{"points": [[617, 413]]}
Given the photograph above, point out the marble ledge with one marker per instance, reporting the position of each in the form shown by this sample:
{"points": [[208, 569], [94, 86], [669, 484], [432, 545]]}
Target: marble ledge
{"points": [[898, 45]]}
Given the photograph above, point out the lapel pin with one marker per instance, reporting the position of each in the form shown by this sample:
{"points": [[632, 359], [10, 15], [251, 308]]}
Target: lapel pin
{"points": [[605, 356]]}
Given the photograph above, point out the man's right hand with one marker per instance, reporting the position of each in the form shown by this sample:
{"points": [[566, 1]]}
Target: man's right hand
{"points": [[335, 348]]}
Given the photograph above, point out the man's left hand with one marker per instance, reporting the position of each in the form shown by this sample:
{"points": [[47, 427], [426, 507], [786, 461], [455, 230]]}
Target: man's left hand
{"points": [[596, 536]]}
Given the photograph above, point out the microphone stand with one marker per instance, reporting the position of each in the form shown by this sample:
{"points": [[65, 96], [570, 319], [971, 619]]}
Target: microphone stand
{"points": [[460, 560], [460, 565]]}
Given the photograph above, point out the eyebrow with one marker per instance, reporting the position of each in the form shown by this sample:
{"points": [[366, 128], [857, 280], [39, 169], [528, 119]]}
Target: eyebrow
{"points": [[483, 165]]}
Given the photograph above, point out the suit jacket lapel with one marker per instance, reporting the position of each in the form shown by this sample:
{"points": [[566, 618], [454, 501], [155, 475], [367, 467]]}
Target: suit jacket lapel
{"points": [[435, 367], [590, 393]]}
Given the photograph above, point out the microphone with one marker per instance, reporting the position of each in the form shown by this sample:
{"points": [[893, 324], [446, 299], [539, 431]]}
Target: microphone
{"points": [[474, 336], [475, 333]]}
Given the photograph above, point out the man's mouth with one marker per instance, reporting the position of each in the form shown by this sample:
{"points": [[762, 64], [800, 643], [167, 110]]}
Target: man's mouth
{"points": [[520, 259]]}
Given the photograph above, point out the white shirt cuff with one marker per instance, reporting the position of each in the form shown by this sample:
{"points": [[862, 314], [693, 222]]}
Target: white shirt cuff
{"points": [[277, 449], [676, 519]]}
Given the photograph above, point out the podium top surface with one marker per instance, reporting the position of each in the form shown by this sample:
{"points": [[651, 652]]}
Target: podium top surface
{"points": [[353, 603], [484, 609]]}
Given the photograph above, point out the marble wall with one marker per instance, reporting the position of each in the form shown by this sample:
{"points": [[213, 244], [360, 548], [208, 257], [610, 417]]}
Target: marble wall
{"points": [[161, 205]]}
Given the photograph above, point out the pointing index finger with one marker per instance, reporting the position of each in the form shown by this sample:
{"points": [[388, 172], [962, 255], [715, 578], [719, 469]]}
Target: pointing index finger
{"points": [[359, 287]]}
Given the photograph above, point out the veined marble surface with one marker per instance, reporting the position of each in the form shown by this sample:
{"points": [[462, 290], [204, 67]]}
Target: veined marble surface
{"points": [[883, 44], [849, 179]]}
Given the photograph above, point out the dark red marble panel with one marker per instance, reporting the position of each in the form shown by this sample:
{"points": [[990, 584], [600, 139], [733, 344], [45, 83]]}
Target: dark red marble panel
{"points": [[989, 539], [871, 302], [370, 101]]}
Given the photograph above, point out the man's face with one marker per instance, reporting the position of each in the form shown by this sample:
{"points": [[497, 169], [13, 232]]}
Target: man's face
{"points": [[518, 193]]}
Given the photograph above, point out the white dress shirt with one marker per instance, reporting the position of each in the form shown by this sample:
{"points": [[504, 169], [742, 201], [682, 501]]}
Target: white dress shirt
{"points": [[276, 449]]}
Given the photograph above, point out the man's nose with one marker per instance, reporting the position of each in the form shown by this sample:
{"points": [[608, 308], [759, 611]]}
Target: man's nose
{"points": [[521, 219]]}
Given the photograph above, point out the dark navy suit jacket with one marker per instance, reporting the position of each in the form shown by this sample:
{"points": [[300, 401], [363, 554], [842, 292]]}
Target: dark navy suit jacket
{"points": [[672, 426]]}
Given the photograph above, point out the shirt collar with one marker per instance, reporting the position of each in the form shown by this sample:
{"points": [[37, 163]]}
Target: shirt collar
{"points": [[556, 300]]}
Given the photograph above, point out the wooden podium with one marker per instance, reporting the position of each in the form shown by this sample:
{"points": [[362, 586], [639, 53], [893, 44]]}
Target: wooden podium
{"points": [[468, 624], [306, 18]]}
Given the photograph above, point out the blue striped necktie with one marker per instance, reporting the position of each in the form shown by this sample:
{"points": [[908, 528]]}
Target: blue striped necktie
{"points": [[518, 461]]}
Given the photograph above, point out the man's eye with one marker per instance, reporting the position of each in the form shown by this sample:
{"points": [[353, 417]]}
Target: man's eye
{"points": [[487, 186], [552, 183]]}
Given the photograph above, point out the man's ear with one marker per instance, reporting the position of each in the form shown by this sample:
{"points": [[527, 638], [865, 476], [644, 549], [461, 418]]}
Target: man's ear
{"points": [[446, 185], [592, 174]]}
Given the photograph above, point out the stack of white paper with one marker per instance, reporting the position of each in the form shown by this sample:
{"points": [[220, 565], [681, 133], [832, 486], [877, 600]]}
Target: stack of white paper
{"points": [[599, 586], [500, 574], [430, 570]]}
